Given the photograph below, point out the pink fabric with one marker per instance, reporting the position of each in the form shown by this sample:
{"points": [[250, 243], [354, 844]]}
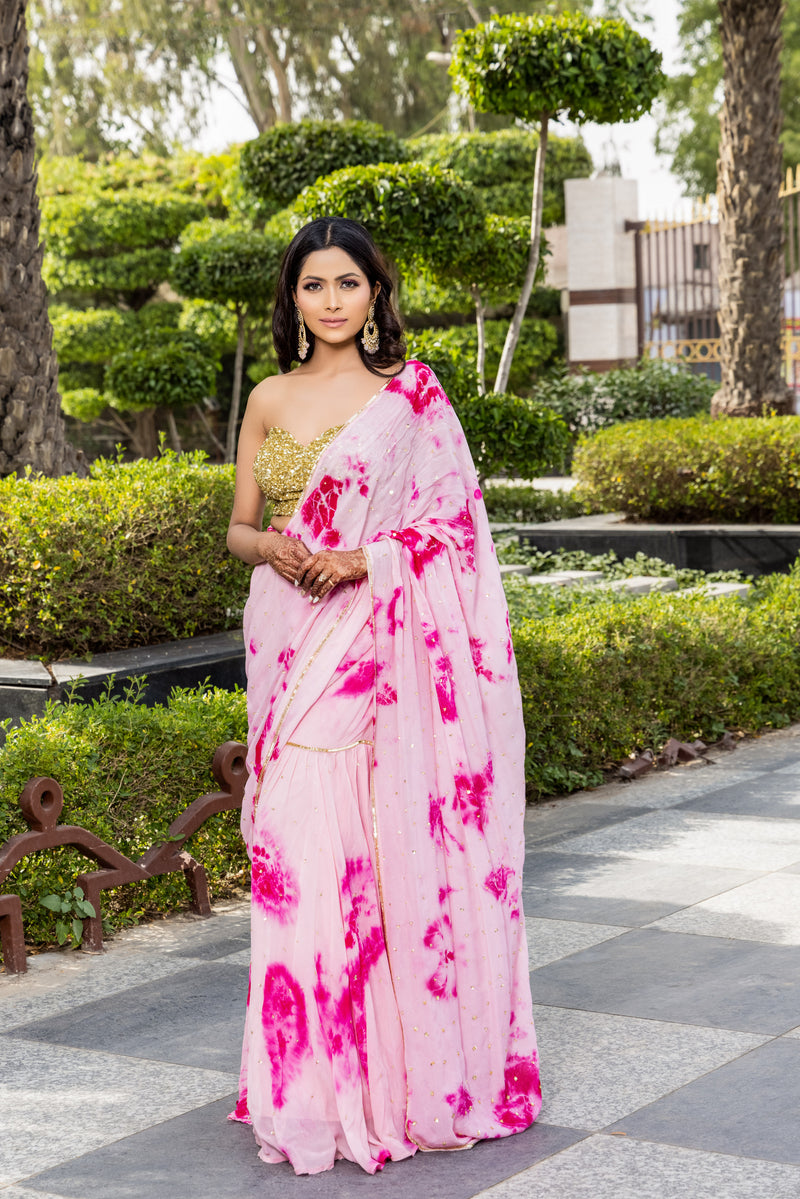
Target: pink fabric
{"points": [[390, 1006]]}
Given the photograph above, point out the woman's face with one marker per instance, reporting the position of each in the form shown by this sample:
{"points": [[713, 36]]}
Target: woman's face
{"points": [[334, 295]]}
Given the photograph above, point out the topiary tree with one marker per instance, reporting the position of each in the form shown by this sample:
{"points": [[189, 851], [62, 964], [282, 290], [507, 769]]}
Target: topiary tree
{"points": [[499, 164], [539, 68], [171, 375], [277, 165], [238, 269]]}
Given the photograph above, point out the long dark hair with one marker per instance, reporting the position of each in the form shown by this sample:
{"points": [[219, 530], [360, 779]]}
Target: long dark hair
{"points": [[356, 241]]}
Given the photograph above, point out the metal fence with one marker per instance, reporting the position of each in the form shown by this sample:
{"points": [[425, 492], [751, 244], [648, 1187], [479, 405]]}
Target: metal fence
{"points": [[677, 288]]}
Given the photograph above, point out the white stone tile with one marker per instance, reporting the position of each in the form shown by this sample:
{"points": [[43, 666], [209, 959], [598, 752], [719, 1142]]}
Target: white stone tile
{"points": [[795, 1032], [551, 940], [699, 838], [767, 909], [597, 1068], [611, 1167], [59, 1103], [791, 768]]}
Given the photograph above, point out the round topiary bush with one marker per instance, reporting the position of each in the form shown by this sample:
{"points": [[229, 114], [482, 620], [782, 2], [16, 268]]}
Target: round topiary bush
{"points": [[695, 469]]}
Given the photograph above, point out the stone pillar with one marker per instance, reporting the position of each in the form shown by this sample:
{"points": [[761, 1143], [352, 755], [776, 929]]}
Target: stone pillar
{"points": [[601, 272]]}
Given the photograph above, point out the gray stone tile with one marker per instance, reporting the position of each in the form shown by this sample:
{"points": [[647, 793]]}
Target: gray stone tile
{"points": [[597, 1067], [693, 838], [748, 1107], [67, 980], [207, 1156], [609, 1167], [549, 823], [767, 909], [789, 768], [195, 1018], [59, 1102], [793, 1032], [707, 981], [761, 795], [25, 1193], [606, 889], [550, 940]]}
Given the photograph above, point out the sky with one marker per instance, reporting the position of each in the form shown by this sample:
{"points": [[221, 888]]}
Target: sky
{"points": [[632, 145]]}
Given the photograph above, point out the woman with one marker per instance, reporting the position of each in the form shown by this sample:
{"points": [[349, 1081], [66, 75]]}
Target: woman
{"points": [[389, 1005]]}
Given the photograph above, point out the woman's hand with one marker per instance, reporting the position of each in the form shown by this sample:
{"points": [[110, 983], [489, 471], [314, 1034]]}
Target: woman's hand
{"points": [[286, 555], [320, 573]]}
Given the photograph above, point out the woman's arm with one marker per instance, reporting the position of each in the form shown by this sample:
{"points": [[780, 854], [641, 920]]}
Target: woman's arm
{"points": [[246, 539]]}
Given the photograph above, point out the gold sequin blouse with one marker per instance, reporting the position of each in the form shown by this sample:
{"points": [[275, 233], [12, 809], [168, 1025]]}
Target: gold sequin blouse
{"points": [[283, 465]]}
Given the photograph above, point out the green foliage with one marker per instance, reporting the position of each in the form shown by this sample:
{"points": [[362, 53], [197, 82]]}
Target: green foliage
{"points": [[171, 376], [91, 334], [587, 69], [209, 179], [451, 353], [240, 267], [132, 555], [127, 771], [416, 213], [510, 434], [513, 504], [83, 403], [695, 469], [278, 164], [611, 677], [213, 324], [72, 907], [589, 401], [500, 164]]}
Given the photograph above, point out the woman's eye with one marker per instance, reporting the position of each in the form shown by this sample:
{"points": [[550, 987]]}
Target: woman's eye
{"points": [[310, 286], [350, 283]]}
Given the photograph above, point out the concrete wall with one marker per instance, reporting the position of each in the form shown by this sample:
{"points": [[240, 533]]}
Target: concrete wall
{"points": [[601, 272]]}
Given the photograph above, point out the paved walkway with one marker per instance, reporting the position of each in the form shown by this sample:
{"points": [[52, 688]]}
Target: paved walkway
{"points": [[664, 929]]}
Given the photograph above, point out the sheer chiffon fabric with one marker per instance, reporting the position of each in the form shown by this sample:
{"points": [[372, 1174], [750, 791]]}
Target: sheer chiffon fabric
{"points": [[389, 1005]]}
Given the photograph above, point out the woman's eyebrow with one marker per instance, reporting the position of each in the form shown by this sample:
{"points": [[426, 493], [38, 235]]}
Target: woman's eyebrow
{"points": [[338, 279]]}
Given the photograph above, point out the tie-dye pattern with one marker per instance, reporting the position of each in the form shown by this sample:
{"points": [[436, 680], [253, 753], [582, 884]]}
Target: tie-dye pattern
{"points": [[383, 814]]}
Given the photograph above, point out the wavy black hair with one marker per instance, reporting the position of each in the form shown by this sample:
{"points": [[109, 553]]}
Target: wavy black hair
{"points": [[355, 240]]}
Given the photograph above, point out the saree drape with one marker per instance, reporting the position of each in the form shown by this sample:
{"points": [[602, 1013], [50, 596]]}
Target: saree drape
{"points": [[389, 1006]]}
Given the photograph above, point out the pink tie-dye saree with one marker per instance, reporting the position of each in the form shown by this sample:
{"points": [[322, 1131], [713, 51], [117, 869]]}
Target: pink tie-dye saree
{"points": [[389, 1007]]}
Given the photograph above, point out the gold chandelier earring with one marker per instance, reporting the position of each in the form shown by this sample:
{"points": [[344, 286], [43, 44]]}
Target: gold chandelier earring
{"points": [[302, 340], [371, 339]]}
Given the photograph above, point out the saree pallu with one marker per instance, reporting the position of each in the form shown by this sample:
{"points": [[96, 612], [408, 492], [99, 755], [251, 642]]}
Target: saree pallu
{"points": [[389, 1006]]}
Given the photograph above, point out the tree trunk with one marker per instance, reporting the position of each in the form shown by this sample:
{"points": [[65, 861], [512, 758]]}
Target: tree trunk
{"points": [[32, 431], [238, 363], [751, 266], [480, 324], [537, 200]]}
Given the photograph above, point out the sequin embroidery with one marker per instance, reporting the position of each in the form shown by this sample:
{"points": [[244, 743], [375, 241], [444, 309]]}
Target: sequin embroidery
{"points": [[283, 465]]}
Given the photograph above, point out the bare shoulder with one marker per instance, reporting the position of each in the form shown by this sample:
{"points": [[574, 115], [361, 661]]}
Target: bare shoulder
{"points": [[266, 398]]}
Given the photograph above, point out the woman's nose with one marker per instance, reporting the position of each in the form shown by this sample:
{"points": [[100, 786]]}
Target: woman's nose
{"points": [[332, 300]]}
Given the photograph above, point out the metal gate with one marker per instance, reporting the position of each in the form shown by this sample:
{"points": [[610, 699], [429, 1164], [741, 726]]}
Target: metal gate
{"points": [[677, 289]]}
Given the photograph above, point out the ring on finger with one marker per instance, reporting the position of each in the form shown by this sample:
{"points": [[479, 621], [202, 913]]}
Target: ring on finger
{"points": [[322, 578]]}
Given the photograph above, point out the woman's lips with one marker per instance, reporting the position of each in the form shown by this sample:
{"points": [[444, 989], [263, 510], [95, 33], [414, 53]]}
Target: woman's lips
{"points": [[333, 321]]}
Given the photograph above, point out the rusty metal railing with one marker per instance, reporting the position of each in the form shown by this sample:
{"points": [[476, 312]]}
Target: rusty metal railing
{"points": [[41, 802]]}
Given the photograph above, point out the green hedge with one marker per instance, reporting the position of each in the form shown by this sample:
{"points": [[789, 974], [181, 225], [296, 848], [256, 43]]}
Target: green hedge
{"points": [[512, 504], [451, 353], [600, 677], [695, 469], [132, 555], [653, 389], [127, 771]]}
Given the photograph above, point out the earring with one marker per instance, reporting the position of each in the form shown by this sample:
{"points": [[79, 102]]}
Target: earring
{"points": [[302, 340], [371, 339]]}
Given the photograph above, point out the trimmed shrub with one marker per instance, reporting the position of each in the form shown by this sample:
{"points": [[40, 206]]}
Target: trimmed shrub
{"points": [[510, 434], [453, 351], [611, 677], [529, 505], [132, 555], [127, 771], [588, 401], [278, 164], [696, 469], [499, 163]]}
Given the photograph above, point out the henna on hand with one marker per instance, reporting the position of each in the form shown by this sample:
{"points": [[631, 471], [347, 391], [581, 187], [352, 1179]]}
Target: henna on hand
{"points": [[320, 573], [285, 555]]}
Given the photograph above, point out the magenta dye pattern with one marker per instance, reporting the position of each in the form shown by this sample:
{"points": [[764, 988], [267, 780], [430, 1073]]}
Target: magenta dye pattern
{"points": [[383, 814]]}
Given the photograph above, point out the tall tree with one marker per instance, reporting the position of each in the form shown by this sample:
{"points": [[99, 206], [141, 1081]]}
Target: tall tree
{"points": [[540, 68], [750, 222], [31, 425], [689, 117]]}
